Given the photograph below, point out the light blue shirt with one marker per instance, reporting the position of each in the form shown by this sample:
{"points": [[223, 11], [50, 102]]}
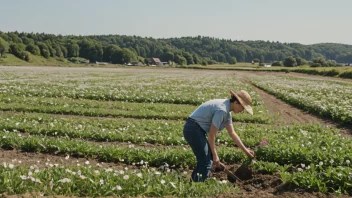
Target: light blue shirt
{"points": [[215, 112]]}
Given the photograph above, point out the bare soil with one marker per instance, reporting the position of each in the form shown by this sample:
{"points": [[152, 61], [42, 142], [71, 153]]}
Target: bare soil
{"points": [[257, 185]]}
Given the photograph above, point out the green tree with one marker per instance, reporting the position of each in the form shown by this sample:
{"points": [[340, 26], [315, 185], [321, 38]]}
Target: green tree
{"points": [[167, 56], [33, 49], [28, 41], [146, 61], [290, 62], [72, 48], [91, 50], [196, 59], [233, 60], [123, 56], [204, 63], [58, 51], [44, 50], [108, 52], [14, 37], [180, 60], [188, 57], [17, 49], [277, 63], [26, 56], [300, 61], [4, 47], [64, 50], [321, 61], [128, 55], [262, 58]]}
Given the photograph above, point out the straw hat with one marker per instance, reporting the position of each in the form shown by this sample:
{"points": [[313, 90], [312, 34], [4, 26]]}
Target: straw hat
{"points": [[245, 100]]}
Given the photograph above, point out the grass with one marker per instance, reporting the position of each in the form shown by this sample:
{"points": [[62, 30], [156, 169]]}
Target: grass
{"points": [[12, 60], [249, 66]]}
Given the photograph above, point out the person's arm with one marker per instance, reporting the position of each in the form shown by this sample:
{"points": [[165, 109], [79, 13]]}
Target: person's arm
{"points": [[211, 142], [238, 141]]}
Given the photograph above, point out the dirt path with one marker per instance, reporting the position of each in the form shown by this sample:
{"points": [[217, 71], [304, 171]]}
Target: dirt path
{"points": [[284, 113]]}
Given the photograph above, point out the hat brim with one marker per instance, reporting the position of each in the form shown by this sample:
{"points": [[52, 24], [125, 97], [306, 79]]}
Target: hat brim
{"points": [[248, 108]]}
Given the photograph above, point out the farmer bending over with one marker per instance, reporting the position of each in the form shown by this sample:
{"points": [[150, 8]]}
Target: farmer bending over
{"points": [[206, 120]]}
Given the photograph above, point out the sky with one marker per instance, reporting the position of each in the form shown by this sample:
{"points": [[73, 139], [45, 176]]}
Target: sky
{"points": [[299, 21]]}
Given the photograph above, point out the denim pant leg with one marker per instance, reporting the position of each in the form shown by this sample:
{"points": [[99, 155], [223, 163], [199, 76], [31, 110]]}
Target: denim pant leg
{"points": [[196, 138]]}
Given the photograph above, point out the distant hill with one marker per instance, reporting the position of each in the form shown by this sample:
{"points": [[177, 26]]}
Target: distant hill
{"points": [[185, 50]]}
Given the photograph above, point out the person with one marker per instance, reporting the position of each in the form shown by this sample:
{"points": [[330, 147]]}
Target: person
{"points": [[206, 120]]}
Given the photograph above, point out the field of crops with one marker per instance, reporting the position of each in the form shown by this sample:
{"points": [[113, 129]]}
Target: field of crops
{"points": [[326, 98], [126, 125]]}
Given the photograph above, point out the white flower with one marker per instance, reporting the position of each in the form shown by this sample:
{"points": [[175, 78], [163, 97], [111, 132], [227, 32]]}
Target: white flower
{"points": [[23, 177], [11, 166], [157, 172], [348, 162], [303, 132], [331, 161], [82, 177], [36, 180], [223, 182], [117, 188], [101, 182], [87, 162], [339, 174], [96, 172], [139, 175], [321, 163], [122, 172], [303, 165], [108, 170], [67, 157], [162, 181], [126, 177], [299, 169], [64, 180]]}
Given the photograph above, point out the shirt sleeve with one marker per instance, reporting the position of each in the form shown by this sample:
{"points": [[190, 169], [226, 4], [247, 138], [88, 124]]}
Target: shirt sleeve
{"points": [[229, 119], [218, 118]]}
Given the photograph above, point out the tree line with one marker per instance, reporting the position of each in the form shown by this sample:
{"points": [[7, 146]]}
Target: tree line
{"points": [[120, 49]]}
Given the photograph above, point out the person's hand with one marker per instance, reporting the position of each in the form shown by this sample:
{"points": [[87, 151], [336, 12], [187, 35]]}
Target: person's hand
{"points": [[250, 153], [216, 161]]}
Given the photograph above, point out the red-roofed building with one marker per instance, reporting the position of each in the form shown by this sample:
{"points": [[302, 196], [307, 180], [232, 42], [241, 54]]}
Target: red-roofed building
{"points": [[155, 61]]}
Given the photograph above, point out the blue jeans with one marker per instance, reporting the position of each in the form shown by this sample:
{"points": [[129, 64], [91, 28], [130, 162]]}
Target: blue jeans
{"points": [[196, 138]]}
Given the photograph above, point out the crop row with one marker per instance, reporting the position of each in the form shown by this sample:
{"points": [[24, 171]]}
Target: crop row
{"points": [[325, 98], [112, 109]]}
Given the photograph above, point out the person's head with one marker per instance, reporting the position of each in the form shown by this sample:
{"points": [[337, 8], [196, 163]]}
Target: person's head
{"points": [[241, 101]]}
